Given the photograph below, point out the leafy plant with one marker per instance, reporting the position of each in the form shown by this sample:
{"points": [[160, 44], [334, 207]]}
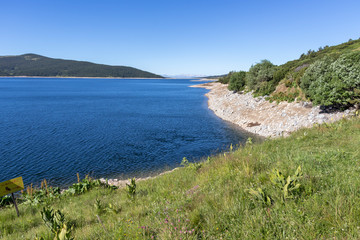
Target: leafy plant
{"points": [[45, 193], [131, 188], [5, 200], [184, 162], [55, 221], [249, 141], [288, 185], [262, 196], [195, 166], [83, 186], [100, 208]]}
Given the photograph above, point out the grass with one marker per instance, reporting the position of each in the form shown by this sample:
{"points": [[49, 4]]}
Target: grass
{"points": [[212, 200]]}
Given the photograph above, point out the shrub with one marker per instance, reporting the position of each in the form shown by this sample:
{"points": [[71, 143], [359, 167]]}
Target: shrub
{"points": [[327, 82], [260, 76], [280, 73], [225, 79], [237, 81]]}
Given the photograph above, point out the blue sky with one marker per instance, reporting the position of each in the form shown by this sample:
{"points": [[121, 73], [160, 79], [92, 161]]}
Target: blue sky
{"points": [[199, 37]]}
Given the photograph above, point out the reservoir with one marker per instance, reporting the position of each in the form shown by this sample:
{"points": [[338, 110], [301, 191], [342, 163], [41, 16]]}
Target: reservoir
{"points": [[53, 128]]}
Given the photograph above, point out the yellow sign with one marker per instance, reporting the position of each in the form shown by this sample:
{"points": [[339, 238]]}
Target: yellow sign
{"points": [[11, 186]]}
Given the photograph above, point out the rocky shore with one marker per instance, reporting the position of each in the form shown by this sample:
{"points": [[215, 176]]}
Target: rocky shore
{"points": [[256, 115]]}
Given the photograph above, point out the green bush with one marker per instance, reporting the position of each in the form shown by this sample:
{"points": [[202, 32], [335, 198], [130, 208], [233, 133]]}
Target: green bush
{"points": [[237, 81], [327, 82], [280, 73], [260, 77], [225, 79]]}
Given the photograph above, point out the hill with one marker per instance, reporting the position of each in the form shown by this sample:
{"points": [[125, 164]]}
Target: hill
{"points": [[329, 76], [36, 65]]}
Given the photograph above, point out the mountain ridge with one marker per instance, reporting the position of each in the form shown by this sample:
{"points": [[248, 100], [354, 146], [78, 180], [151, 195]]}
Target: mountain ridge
{"points": [[35, 65]]}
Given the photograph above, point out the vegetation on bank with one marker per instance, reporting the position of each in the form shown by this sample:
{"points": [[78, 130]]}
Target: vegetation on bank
{"points": [[36, 65], [305, 186], [328, 77]]}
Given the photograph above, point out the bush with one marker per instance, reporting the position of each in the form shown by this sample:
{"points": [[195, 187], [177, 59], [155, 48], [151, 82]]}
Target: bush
{"points": [[280, 73], [260, 76], [226, 79], [327, 82], [237, 81]]}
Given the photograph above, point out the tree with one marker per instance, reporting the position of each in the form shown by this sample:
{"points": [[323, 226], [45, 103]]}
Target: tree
{"points": [[260, 76], [237, 81]]}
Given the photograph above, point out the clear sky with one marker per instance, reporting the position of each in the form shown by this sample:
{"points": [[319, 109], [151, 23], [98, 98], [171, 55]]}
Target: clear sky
{"points": [[199, 37]]}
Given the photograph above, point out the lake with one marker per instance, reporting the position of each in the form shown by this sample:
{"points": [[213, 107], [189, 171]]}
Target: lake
{"points": [[53, 128]]}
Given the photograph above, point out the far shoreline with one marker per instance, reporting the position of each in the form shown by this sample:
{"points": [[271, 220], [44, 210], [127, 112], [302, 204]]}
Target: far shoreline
{"points": [[71, 77]]}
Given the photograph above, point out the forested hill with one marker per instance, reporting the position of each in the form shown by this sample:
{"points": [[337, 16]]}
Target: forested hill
{"points": [[36, 65]]}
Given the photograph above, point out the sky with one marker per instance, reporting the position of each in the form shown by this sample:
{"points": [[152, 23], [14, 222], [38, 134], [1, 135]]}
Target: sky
{"points": [[176, 37]]}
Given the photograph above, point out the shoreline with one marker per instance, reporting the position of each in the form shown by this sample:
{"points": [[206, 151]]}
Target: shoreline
{"points": [[259, 116], [120, 183]]}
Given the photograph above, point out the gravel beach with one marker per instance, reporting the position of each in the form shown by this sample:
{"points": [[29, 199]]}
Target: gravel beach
{"points": [[261, 117]]}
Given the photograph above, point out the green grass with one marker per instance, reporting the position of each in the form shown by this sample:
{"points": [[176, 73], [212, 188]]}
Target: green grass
{"points": [[211, 200]]}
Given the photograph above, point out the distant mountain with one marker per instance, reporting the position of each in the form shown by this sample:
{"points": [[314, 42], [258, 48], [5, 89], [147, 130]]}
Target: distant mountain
{"points": [[184, 76], [36, 65]]}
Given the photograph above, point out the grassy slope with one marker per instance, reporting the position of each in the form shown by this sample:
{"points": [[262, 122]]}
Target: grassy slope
{"points": [[213, 199]]}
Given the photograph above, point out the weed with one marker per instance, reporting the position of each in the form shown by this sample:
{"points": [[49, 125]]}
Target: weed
{"points": [[55, 221], [262, 196], [288, 185], [5, 200], [131, 188]]}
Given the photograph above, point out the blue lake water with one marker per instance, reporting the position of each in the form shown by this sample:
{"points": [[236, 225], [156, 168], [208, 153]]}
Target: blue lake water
{"points": [[114, 128]]}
